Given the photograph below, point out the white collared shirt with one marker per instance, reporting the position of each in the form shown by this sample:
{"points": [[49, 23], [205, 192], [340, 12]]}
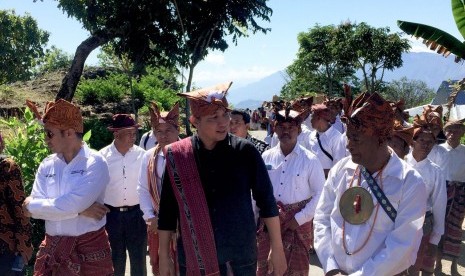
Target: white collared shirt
{"points": [[148, 140], [61, 191], [438, 155], [143, 189], [455, 162], [435, 183], [295, 177], [332, 142], [392, 247], [124, 175]]}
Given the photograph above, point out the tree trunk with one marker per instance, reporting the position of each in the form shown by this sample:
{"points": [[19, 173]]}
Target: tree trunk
{"points": [[71, 80], [187, 108]]}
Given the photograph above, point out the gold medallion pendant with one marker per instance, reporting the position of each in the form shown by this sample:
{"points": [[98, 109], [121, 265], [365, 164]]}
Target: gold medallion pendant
{"points": [[356, 205]]}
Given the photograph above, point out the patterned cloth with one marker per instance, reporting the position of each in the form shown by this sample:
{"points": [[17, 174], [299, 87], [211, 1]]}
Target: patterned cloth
{"points": [[424, 261], [199, 244], [60, 114], [259, 144], [15, 229], [370, 114], [455, 214], [157, 117], [206, 101], [88, 254], [296, 243]]}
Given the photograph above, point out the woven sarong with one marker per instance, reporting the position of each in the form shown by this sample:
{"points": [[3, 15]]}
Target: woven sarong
{"points": [[296, 242], [196, 230], [455, 214], [424, 261], [87, 254]]}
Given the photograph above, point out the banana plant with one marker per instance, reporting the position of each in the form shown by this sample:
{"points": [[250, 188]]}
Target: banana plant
{"points": [[439, 40], [442, 42]]}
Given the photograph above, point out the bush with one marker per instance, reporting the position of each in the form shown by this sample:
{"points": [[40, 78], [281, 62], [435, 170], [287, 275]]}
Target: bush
{"points": [[111, 89], [101, 137]]}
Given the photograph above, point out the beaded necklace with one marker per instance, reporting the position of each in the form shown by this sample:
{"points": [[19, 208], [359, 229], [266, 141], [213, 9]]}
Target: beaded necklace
{"points": [[357, 173]]}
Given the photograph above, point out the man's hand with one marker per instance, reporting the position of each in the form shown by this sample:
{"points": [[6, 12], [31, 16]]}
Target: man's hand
{"points": [[25, 204], [166, 265], [152, 225], [432, 250], [277, 262], [96, 211]]}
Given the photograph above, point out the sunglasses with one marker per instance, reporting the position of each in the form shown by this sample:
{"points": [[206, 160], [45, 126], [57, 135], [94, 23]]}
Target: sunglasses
{"points": [[49, 134]]}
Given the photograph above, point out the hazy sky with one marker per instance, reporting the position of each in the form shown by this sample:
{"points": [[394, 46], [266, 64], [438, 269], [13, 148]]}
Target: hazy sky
{"points": [[261, 55]]}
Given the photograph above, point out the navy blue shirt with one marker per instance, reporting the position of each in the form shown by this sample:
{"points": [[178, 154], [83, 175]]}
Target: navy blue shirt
{"points": [[229, 174]]}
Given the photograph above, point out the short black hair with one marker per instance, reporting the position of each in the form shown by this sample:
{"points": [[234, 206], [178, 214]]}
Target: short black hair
{"points": [[243, 113]]}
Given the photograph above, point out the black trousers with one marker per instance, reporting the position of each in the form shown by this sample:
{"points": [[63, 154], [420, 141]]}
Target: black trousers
{"points": [[127, 231]]}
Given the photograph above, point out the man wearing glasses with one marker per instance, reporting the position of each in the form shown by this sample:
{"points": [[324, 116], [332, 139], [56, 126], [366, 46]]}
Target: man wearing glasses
{"points": [[68, 188]]}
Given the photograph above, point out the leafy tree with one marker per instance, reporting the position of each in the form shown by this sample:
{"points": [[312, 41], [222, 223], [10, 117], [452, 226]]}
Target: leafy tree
{"points": [[323, 61], [159, 32], [21, 43], [414, 92], [329, 56], [54, 59], [376, 50]]}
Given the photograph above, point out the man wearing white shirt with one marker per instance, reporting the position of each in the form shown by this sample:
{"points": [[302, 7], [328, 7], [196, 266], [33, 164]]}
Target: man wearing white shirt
{"points": [[455, 176], [125, 225], [297, 178], [369, 218], [325, 140], [68, 188], [434, 179], [166, 128], [148, 140], [335, 108]]}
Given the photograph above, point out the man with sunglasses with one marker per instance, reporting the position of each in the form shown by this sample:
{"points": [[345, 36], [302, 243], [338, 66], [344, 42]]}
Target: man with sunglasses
{"points": [[67, 193]]}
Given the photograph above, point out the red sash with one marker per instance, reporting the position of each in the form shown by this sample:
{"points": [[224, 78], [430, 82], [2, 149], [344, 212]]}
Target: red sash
{"points": [[196, 229]]}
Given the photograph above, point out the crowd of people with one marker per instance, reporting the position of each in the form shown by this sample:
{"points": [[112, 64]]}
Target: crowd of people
{"points": [[353, 180]]}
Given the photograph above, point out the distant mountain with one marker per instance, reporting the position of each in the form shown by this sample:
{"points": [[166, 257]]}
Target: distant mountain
{"points": [[428, 67]]}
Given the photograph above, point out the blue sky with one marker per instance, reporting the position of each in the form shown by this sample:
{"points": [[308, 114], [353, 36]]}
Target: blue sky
{"points": [[260, 55]]}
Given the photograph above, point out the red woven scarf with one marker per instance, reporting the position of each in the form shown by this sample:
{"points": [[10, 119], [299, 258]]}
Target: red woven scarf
{"points": [[196, 229], [152, 179]]}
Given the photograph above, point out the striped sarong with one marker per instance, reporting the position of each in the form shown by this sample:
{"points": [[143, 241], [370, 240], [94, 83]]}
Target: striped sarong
{"points": [[455, 214], [296, 243]]}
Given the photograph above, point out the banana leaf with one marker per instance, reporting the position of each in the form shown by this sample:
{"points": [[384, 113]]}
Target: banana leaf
{"points": [[435, 39], [458, 10]]}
